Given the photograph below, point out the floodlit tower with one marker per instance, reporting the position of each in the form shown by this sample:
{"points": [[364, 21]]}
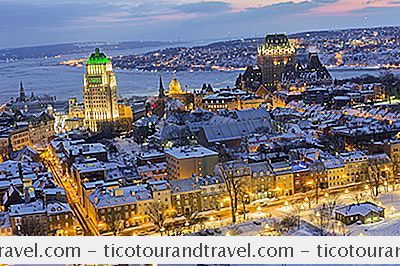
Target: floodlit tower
{"points": [[175, 87], [273, 56], [100, 91]]}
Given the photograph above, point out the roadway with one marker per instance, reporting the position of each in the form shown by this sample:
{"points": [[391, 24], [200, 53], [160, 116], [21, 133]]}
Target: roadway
{"points": [[270, 208], [84, 221], [266, 207]]}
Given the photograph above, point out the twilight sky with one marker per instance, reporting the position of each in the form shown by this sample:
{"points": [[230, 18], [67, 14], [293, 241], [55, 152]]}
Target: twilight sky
{"points": [[37, 22]]}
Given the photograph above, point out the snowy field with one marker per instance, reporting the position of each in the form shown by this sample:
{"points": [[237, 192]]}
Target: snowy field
{"points": [[256, 225], [390, 226]]}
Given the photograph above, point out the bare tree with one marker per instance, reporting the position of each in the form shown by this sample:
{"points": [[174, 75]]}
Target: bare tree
{"points": [[190, 217], [115, 223], [275, 227], [373, 180], [287, 224], [317, 170], [359, 196], [244, 195], [31, 226], [379, 174], [297, 209], [234, 184], [321, 221], [332, 202], [158, 214]]}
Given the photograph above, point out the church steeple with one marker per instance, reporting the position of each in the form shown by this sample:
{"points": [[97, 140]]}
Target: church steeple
{"points": [[161, 91], [22, 95]]}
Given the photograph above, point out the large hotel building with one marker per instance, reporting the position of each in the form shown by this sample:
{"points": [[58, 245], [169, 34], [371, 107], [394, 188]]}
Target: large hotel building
{"points": [[273, 56], [100, 92]]}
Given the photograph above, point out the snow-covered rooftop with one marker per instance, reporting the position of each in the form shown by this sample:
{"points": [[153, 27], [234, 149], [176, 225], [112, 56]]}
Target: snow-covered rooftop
{"points": [[190, 152], [362, 209]]}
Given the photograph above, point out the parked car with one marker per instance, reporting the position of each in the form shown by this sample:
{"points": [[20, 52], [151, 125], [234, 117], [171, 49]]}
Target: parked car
{"points": [[257, 222], [210, 232]]}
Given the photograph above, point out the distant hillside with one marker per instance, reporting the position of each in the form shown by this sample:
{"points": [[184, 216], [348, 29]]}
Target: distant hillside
{"points": [[53, 50], [351, 47]]}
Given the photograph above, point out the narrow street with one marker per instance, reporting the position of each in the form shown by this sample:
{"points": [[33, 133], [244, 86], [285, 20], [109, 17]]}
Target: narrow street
{"points": [[85, 222]]}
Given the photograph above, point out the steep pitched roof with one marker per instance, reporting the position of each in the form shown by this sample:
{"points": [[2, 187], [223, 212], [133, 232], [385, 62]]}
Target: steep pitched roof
{"points": [[235, 130]]}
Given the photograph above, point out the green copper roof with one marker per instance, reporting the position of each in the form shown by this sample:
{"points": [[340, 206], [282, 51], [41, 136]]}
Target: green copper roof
{"points": [[97, 58]]}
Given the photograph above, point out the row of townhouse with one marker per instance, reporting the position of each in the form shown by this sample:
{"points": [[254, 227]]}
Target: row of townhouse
{"points": [[108, 202], [31, 202], [19, 131], [268, 179]]}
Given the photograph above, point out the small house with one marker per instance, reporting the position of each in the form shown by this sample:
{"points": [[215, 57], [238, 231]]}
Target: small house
{"points": [[365, 212]]}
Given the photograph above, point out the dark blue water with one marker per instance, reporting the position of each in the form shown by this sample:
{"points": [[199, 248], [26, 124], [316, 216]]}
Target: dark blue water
{"points": [[46, 76], [64, 81]]}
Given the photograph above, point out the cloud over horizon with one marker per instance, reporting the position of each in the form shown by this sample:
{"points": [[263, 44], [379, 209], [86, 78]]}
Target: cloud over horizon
{"points": [[45, 21]]}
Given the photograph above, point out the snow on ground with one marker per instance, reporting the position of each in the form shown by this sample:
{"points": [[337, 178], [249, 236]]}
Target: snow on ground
{"points": [[253, 227], [304, 230], [257, 227], [390, 226]]}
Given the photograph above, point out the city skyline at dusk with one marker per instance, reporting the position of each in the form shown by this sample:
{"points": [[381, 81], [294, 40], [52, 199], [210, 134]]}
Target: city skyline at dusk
{"points": [[197, 118], [43, 22]]}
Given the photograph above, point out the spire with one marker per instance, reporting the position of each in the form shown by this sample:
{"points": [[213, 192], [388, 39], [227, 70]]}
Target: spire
{"points": [[161, 92], [21, 92]]}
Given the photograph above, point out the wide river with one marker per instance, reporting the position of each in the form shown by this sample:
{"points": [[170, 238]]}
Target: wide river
{"points": [[46, 76]]}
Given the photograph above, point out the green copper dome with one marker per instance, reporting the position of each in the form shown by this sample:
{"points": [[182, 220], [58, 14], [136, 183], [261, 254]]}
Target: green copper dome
{"points": [[97, 58]]}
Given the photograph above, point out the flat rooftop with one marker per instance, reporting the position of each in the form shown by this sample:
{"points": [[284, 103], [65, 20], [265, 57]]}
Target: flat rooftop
{"points": [[190, 152]]}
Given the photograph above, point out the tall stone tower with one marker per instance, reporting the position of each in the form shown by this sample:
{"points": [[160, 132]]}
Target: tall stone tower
{"points": [[273, 56], [100, 91]]}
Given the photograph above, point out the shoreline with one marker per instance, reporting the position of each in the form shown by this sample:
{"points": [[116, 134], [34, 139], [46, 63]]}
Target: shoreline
{"points": [[79, 64]]}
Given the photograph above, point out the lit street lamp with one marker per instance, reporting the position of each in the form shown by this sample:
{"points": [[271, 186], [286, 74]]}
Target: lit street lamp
{"points": [[212, 219], [162, 229], [338, 226], [392, 209], [307, 200]]}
